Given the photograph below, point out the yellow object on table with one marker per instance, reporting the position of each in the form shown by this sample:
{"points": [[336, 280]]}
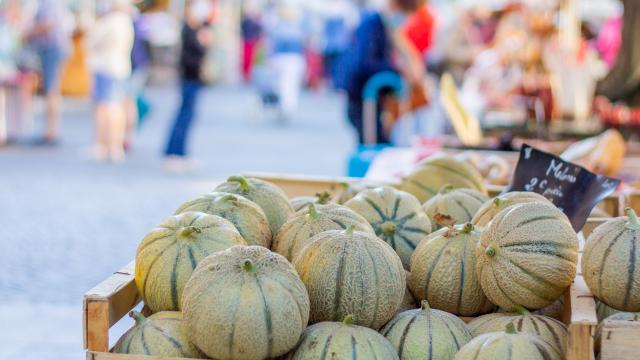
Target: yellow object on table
{"points": [[76, 77]]}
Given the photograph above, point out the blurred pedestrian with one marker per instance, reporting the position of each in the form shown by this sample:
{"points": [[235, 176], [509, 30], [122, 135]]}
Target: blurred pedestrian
{"points": [[287, 35], [109, 45], [251, 33], [340, 20], [50, 36], [196, 38], [379, 38]]}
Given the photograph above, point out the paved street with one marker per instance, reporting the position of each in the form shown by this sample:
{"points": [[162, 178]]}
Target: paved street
{"points": [[67, 223]]}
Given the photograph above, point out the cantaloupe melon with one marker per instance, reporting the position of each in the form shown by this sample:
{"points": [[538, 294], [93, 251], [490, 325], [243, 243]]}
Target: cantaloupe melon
{"points": [[270, 198], [611, 262], [167, 256], [245, 303], [162, 334], [302, 202], [408, 301], [426, 334], [554, 311], [352, 189], [527, 256], [244, 214], [491, 208], [603, 311], [349, 272], [550, 330], [296, 233], [396, 217], [460, 204], [432, 174], [342, 341], [508, 345], [443, 271]]}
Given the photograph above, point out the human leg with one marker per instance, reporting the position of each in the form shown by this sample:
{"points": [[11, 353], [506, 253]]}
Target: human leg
{"points": [[51, 59], [176, 145]]}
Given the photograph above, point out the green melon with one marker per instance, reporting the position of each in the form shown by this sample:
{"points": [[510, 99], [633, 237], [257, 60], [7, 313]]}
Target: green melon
{"points": [[270, 198], [163, 334], [550, 330], [432, 174], [527, 256], [302, 202], [508, 345], [342, 341], [245, 303], [459, 204], [408, 301], [491, 208], [352, 189], [603, 311], [296, 233], [611, 262], [396, 217], [554, 311], [426, 334], [349, 272], [244, 214], [443, 271], [169, 253]]}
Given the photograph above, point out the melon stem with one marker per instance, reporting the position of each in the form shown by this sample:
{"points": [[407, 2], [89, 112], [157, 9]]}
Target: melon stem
{"points": [[248, 266], [241, 180], [633, 223], [323, 198], [350, 229], [468, 228], [186, 232], [313, 213], [138, 317], [497, 202], [446, 189], [389, 228], [510, 329], [424, 305], [491, 251], [349, 319], [229, 198], [521, 310]]}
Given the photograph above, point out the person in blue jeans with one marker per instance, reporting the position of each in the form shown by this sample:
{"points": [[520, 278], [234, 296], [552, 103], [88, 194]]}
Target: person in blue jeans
{"points": [[195, 39]]}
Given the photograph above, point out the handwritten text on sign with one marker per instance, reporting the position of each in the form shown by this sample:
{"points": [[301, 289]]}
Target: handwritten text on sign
{"points": [[572, 188]]}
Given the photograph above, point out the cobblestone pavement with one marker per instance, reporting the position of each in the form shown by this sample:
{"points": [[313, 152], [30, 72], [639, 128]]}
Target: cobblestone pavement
{"points": [[66, 222]]}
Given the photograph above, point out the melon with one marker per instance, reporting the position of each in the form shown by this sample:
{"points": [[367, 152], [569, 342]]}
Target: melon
{"points": [[554, 311], [443, 271], [459, 204], [167, 256], [296, 233], [527, 256], [245, 303], [351, 272], [551, 330], [491, 208], [244, 214], [603, 311], [396, 216], [611, 262], [163, 334], [352, 189], [270, 198], [508, 345], [301, 202], [426, 333], [342, 341], [408, 301], [432, 174]]}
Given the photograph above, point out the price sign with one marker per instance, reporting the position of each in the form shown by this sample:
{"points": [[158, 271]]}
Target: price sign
{"points": [[572, 188]]}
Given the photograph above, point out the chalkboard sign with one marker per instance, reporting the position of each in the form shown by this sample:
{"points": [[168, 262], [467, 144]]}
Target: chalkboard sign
{"points": [[572, 188]]}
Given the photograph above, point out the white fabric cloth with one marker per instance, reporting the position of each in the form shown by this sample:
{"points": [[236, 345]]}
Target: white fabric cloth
{"points": [[109, 45], [290, 69]]}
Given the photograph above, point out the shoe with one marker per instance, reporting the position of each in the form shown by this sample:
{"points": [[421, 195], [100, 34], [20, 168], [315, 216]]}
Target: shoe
{"points": [[180, 165]]}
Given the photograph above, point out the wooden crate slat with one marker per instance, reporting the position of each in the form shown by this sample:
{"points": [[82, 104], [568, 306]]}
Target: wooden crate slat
{"points": [[301, 185], [619, 340], [92, 355]]}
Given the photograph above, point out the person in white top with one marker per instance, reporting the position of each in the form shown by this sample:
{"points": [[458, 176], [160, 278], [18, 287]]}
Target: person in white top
{"points": [[109, 45]]}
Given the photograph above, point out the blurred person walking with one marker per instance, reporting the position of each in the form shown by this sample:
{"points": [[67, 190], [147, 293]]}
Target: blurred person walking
{"points": [[339, 23], [379, 38], [287, 35], [251, 29], [50, 36], [196, 38], [109, 45]]}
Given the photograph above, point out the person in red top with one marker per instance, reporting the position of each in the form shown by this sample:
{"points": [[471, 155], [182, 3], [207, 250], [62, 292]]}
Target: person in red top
{"points": [[420, 28]]}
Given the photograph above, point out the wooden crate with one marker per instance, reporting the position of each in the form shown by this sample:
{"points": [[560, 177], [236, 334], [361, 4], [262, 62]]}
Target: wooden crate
{"points": [[116, 296]]}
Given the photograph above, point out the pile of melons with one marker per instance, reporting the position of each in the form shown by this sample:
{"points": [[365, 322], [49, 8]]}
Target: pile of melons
{"points": [[373, 273]]}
